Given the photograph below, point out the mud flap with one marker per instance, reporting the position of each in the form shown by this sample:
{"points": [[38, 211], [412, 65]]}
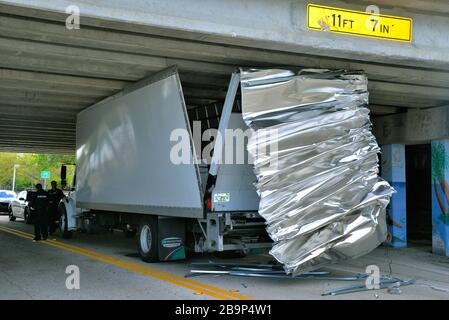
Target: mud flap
{"points": [[172, 234]]}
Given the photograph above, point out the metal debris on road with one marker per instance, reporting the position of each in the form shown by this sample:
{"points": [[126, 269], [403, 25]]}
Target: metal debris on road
{"points": [[262, 271], [384, 284], [394, 290]]}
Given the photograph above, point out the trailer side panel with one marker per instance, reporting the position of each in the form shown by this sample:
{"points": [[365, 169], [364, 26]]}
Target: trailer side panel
{"points": [[123, 152]]}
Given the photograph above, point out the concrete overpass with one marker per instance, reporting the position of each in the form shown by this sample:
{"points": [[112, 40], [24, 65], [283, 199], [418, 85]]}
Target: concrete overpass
{"points": [[49, 73]]}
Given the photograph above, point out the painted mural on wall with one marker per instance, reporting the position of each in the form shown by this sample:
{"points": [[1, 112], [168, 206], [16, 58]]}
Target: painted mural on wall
{"points": [[440, 197]]}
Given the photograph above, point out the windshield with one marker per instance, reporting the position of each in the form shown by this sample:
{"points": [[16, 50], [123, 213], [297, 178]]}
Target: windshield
{"points": [[7, 194]]}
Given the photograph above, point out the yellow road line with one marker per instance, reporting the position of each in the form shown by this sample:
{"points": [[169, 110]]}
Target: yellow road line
{"points": [[144, 270], [138, 266], [114, 261], [16, 233]]}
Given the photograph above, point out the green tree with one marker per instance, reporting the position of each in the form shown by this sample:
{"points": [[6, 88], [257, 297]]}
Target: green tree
{"points": [[30, 167]]}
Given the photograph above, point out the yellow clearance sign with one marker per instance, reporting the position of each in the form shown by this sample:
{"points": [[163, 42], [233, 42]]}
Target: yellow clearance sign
{"points": [[359, 23]]}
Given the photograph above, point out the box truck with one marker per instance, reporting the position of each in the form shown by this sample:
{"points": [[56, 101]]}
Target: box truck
{"points": [[137, 169]]}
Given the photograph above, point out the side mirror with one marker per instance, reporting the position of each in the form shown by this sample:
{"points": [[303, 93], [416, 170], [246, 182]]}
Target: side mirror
{"points": [[63, 176]]}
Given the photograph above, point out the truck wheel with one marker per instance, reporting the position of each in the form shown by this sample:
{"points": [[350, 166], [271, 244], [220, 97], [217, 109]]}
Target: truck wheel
{"points": [[147, 240], [11, 215], [27, 216], [63, 225]]}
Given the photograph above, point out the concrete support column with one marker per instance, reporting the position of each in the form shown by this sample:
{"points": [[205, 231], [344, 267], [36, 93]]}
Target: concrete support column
{"points": [[440, 197], [393, 170]]}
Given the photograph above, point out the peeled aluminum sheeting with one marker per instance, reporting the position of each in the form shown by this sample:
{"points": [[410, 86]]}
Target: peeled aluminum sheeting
{"points": [[320, 192]]}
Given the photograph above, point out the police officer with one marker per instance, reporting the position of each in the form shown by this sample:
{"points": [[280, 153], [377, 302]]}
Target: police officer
{"points": [[40, 206], [54, 196]]}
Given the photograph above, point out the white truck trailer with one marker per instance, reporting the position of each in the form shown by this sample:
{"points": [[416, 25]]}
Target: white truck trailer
{"points": [[125, 177]]}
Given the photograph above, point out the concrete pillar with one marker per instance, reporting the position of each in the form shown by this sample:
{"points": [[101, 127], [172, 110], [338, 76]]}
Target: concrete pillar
{"points": [[440, 197], [393, 170]]}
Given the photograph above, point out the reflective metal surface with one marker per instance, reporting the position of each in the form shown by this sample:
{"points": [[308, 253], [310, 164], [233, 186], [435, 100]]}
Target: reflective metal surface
{"points": [[316, 162], [264, 271]]}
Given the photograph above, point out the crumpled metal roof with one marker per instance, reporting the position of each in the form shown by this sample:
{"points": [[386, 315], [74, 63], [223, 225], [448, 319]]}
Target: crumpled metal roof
{"points": [[316, 161]]}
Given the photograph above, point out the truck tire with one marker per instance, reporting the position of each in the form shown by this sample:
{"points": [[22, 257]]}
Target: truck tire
{"points": [[63, 224], [27, 216], [147, 241]]}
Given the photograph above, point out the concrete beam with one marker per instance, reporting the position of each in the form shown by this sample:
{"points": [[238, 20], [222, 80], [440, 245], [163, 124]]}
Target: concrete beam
{"points": [[274, 25], [34, 149], [89, 37], [439, 7], [38, 104], [20, 54], [43, 135], [17, 146], [403, 101], [38, 118], [24, 94], [45, 57], [41, 132], [385, 110], [413, 127], [36, 145], [35, 138], [30, 111], [54, 81], [410, 91], [56, 90], [65, 87], [45, 126]]}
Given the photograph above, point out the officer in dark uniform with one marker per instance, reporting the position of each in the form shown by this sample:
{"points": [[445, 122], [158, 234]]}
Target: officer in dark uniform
{"points": [[40, 206], [54, 196]]}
